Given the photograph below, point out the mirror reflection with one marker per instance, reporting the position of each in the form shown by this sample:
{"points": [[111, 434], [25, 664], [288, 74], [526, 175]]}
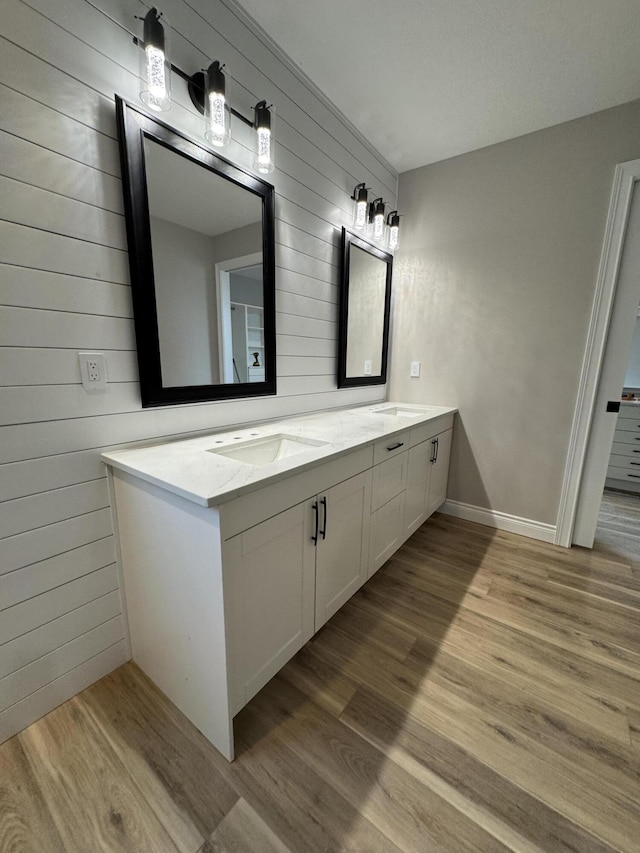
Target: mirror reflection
{"points": [[365, 323], [208, 272], [365, 298]]}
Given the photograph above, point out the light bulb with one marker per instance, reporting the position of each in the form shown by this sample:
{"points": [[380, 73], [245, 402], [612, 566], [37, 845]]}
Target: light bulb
{"points": [[378, 226], [156, 77], [217, 116], [264, 150], [361, 198], [393, 225], [263, 127], [155, 65], [216, 134]]}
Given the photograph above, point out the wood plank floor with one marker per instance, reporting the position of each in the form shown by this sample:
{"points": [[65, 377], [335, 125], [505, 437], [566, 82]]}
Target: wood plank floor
{"points": [[480, 693]]}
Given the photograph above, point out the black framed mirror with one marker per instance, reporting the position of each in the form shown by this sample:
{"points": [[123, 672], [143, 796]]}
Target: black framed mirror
{"points": [[200, 233], [365, 305]]}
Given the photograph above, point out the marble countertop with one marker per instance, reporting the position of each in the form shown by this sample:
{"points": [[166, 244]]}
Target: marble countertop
{"points": [[188, 468]]}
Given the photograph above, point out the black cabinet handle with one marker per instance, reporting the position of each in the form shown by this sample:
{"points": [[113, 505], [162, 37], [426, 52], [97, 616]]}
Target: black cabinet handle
{"points": [[314, 538], [396, 446], [634, 463], [433, 457], [437, 449], [323, 532], [636, 476]]}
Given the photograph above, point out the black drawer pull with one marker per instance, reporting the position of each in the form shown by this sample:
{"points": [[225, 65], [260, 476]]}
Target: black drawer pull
{"points": [[323, 532], [314, 539], [634, 463], [401, 444], [635, 476]]}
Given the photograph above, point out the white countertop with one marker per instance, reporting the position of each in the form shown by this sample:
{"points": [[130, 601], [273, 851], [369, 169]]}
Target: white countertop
{"points": [[186, 468]]}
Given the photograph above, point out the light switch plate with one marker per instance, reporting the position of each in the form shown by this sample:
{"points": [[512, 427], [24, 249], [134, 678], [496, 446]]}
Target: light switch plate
{"points": [[414, 372], [368, 366]]}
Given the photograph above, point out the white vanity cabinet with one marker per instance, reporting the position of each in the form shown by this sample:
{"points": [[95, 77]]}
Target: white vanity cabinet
{"points": [[341, 543], [227, 577], [439, 475], [290, 573], [389, 483], [427, 476]]}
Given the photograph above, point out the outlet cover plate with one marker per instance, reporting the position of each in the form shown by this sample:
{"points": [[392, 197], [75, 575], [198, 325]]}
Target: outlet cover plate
{"points": [[93, 371], [414, 371]]}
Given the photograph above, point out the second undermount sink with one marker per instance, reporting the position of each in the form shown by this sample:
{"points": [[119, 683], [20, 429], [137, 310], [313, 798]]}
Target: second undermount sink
{"points": [[267, 449], [400, 411]]}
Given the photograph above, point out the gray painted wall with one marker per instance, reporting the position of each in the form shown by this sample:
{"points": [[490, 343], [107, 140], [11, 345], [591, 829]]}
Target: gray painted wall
{"points": [[493, 283]]}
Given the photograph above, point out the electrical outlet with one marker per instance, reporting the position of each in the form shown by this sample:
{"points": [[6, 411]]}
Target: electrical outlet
{"points": [[368, 367], [93, 371], [414, 372]]}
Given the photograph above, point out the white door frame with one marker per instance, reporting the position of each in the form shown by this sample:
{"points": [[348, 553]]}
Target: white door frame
{"points": [[223, 302], [625, 177]]}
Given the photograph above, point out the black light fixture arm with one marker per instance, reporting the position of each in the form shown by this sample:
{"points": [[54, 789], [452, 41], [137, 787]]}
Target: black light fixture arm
{"points": [[196, 85]]}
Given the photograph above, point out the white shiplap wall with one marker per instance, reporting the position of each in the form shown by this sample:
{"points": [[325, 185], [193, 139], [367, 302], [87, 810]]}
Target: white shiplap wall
{"points": [[64, 287]]}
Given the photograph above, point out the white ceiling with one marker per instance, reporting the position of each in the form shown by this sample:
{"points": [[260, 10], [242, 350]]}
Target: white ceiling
{"points": [[215, 205], [425, 80]]}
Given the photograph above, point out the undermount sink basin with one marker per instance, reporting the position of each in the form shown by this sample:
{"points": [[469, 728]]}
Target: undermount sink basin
{"points": [[400, 411], [271, 448]]}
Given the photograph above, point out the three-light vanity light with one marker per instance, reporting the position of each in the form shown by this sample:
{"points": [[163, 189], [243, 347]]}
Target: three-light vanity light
{"points": [[369, 218], [209, 92]]}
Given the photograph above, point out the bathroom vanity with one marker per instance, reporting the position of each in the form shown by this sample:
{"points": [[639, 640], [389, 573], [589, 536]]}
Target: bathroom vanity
{"points": [[235, 548]]}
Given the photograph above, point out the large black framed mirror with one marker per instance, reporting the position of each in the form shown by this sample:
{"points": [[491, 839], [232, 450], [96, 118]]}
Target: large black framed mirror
{"points": [[200, 233], [365, 305]]}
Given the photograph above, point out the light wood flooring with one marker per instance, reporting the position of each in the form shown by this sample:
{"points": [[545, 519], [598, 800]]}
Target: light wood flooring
{"points": [[480, 693]]}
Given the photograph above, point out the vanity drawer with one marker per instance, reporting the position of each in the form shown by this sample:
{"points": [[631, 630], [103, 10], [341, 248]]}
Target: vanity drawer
{"points": [[389, 480], [392, 446], [423, 432]]}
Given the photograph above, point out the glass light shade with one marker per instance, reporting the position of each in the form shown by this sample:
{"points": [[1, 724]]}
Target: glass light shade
{"points": [[217, 113], [155, 64], [263, 161], [393, 230], [378, 220], [361, 199]]}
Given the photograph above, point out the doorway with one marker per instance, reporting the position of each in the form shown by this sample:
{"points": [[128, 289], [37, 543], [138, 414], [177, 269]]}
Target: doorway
{"points": [[605, 367]]}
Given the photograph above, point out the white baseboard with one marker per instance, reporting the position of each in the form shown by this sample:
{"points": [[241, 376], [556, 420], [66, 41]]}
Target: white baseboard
{"points": [[501, 520]]}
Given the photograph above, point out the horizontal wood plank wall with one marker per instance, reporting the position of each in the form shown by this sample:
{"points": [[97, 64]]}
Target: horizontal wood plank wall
{"points": [[64, 287]]}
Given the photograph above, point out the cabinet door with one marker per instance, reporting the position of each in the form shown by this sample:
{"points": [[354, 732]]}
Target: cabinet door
{"points": [[419, 473], [439, 472], [387, 532], [271, 571], [343, 542]]}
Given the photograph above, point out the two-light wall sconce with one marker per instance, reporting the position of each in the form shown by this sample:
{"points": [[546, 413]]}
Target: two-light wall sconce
{"points": [[369, 218], [209, 92]]}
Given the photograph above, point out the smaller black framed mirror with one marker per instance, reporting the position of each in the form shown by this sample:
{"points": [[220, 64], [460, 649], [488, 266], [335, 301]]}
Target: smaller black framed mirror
{"points": [[200, 233], [365, 306]]}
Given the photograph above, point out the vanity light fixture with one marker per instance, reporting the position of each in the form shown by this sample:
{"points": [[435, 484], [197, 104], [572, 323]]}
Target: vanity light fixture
{"points": [[376, 219], [155, 65], [210, 97], [361, 199], [208, 91], [393, 227]]}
